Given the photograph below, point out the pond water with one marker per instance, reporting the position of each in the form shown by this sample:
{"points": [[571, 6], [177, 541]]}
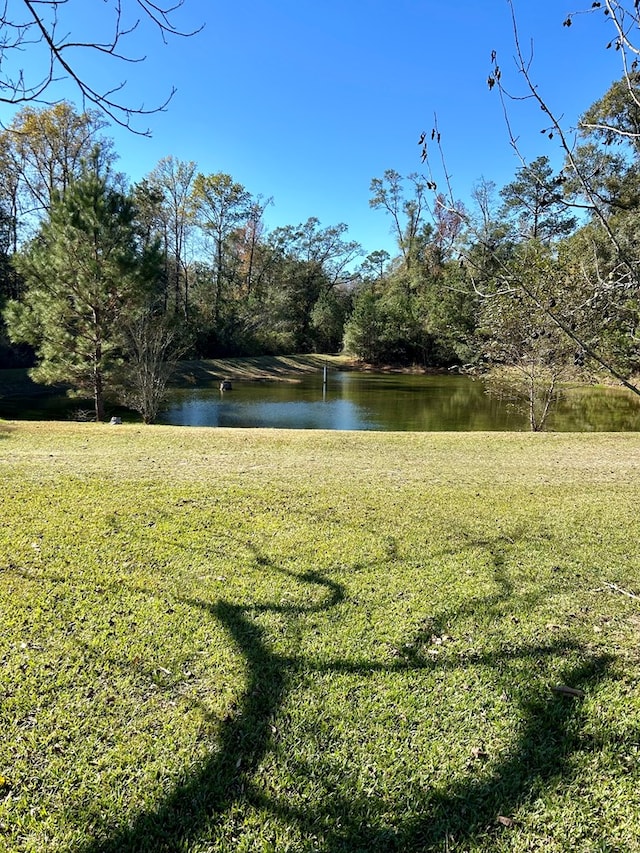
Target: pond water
{"points": [[364, 401]]}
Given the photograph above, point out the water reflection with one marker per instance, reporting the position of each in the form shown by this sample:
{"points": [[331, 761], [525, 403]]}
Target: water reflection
{"points": [[362, 401], [357, 401], [202, 408], [597, 410]]}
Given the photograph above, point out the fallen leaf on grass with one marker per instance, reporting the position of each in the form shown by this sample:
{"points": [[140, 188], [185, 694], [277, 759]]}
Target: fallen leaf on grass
{"points": [[479, 752]]}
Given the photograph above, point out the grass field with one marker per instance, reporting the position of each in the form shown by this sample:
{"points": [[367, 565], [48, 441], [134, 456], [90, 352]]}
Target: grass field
{"points": [[301, 641]]}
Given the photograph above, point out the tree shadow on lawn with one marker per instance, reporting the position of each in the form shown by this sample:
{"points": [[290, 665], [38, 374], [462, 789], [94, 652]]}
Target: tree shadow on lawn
{"points": [[471, 810], [467, 810]]}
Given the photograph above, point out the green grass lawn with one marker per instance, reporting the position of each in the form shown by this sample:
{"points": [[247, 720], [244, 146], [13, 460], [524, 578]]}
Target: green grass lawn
{"points": [[292, 641]]}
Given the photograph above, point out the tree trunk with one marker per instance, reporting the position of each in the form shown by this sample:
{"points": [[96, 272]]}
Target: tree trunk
{"points": [[98, 396], [98, 385]]}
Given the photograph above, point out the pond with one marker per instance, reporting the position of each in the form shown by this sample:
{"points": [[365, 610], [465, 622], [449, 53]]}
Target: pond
{"points": [[365, 401], [362, 401]]}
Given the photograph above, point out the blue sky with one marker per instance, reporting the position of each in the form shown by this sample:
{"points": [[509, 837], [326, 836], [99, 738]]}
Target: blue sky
{"points": [[308, 101]]}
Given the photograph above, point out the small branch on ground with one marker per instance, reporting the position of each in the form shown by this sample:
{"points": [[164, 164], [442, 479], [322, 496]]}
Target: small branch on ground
{"points": [[615, 588]]}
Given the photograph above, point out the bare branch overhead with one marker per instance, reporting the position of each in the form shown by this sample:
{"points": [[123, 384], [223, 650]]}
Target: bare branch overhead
{"points": [[33, 35]]}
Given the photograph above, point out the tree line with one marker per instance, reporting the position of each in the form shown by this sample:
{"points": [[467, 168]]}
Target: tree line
{"points": [[104, 284], [85, 258]]}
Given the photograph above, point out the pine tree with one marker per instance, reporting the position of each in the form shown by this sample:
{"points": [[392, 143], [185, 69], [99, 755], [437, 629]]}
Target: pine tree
{"points": [[84, 274]]}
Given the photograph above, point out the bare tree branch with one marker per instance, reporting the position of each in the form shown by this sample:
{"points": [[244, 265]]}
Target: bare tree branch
{"points": [[33, 27], [625, 273]]}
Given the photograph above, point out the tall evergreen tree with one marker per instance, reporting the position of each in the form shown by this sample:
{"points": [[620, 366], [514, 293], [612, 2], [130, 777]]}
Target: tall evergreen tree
{"points": [[84, 272], [534, 202]]}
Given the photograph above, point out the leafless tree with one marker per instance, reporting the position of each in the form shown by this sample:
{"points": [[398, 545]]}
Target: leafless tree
{"points": [[153, 348]]}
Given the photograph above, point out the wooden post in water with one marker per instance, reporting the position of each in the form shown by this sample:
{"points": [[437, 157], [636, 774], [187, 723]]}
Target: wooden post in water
{"points": [[324, 382]]}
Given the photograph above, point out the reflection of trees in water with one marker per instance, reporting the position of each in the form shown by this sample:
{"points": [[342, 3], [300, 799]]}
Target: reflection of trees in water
{"points": [[469, 406], [597, 409], [384, 402], [435, 403]]}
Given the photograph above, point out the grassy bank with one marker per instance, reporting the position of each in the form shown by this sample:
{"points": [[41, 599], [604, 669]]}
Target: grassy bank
{"points": [[286, 368], [293, 641]]}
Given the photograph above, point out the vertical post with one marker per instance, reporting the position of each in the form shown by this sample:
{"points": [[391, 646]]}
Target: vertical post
{"points": [[324, 382]]}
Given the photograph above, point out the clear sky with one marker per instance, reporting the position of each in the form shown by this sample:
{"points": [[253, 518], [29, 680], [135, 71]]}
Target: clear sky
{"points": [[308, 101]]}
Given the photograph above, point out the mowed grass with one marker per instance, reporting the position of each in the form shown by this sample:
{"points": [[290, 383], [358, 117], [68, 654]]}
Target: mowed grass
{"points": [[291, 641]]}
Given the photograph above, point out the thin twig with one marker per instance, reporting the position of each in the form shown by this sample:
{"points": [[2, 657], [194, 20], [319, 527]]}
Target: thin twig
{"points": [[622, 591]]}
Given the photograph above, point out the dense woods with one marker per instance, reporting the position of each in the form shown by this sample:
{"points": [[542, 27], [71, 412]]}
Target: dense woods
{"points": [[104, 283]]}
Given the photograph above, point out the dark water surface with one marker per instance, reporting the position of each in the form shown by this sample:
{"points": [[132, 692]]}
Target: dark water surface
{"points": [[361, 401], [364, 401]]}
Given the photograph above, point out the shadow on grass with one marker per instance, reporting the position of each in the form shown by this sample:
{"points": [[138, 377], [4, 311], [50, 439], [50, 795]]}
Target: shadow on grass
{"points": [[447, 815], [252, 368], [468, 811], [243, 737]]}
